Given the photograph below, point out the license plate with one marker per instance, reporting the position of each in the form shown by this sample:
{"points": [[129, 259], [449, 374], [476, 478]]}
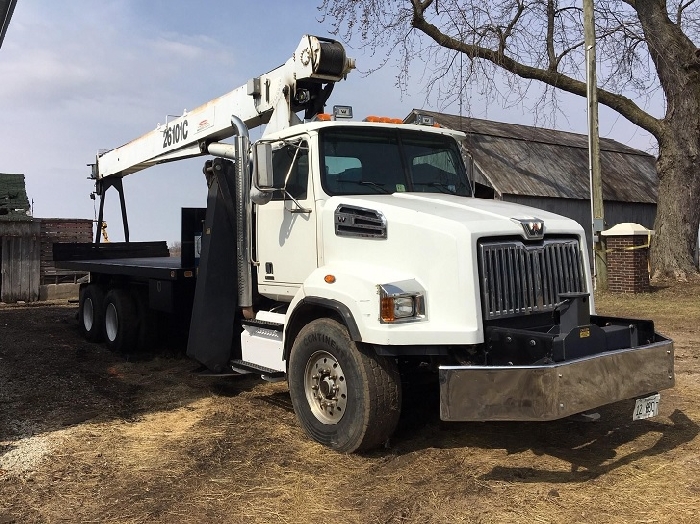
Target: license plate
{"points": [[646, 407]]}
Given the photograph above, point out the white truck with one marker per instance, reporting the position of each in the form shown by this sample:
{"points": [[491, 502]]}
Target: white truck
{"points": [[338, 254]]}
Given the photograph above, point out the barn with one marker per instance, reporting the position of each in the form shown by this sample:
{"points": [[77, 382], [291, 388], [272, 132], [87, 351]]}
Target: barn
{"points": [[19, 242], [548, 169], [27, 269]]}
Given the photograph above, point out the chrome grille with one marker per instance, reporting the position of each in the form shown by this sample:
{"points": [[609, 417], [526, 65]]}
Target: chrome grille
{"points": [[517, 278]]}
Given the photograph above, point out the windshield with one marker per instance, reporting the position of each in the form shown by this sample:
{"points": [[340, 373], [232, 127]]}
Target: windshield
{"points": [[365, 161]]}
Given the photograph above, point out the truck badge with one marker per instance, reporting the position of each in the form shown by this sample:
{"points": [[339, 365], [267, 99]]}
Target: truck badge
{"points": [[533, 227]]}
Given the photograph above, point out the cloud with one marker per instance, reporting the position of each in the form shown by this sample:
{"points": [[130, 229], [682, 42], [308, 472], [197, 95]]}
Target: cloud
{"points": [[80, 77], [49, 66]]}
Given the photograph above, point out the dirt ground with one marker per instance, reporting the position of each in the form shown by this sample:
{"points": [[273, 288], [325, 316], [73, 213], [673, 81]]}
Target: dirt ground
{"points": [[91, 436]]}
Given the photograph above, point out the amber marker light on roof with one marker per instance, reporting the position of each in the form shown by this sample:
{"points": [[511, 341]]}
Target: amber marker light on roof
{"points": [[329, 279], [323, 117], [383, 119]]}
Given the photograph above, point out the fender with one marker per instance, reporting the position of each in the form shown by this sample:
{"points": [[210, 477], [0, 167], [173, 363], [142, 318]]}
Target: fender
{"points": [[352, 293], [292, 325]]}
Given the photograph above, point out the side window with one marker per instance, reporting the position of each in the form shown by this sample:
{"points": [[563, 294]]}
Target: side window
{"points": [[290, 170]]}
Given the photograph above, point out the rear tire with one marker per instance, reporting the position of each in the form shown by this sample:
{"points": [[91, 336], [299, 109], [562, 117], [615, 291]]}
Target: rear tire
{"points": [[91, 312], [345, 396], [121, 326], [147, 330]]}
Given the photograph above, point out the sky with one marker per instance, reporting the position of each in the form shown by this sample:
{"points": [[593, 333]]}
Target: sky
{"points": [[80, 76]]}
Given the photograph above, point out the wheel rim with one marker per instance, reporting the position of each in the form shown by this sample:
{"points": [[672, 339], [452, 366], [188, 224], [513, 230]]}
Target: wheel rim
{"points": [[111, 322], [326, 388], [88, 314]]}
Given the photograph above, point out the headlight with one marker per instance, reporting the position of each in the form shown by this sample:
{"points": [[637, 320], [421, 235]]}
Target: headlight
{"points": [[398, 307]]}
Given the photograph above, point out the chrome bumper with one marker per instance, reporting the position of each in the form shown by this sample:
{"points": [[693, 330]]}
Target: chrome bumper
{"points": [[550, 392]]}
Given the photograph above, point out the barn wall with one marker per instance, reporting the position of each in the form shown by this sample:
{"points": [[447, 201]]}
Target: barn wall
{"points": [[580, 211], [19, 261]]}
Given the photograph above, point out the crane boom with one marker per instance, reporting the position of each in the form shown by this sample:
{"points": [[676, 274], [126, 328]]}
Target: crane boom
{"points": [[303, 82]]}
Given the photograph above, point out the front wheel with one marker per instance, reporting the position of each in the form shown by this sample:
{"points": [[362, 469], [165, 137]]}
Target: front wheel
{"points": [[345, 396]]}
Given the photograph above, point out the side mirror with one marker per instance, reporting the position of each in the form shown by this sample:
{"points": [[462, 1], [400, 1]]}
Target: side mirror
{"points": [[262, 163]]}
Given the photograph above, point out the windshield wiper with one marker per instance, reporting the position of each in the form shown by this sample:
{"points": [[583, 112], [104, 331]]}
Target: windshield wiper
{"points": [[375, 185], [444, 187]]}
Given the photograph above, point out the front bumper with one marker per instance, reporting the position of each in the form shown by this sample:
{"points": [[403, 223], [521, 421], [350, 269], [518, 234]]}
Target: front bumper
{"points": [[550, 392]]}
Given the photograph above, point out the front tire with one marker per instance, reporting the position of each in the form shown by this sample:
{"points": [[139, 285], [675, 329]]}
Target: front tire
{"points": [[120, 321], [91, 312], [345, 396]]}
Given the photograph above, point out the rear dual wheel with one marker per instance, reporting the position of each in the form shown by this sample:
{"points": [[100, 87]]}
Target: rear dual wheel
{"points": [[91, 312], [345, 396], [121, 326]]}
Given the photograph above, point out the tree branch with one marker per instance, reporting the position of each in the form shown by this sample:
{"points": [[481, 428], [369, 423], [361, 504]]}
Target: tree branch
{"points": [[553, 61], [623, 105], [509, 29], [682, 8]]}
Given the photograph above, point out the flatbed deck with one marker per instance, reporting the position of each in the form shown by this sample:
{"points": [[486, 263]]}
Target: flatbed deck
{"points": [[142, 260], [162, 268]]}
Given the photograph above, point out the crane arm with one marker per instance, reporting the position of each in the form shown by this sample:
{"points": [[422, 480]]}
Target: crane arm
{"points": [[303, 82]]}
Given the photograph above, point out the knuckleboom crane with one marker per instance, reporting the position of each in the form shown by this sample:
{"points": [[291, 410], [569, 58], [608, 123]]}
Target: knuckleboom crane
{"points": [[303, 83]]}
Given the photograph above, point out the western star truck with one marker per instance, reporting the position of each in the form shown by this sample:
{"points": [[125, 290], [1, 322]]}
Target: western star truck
{"points": [[338, 254]]}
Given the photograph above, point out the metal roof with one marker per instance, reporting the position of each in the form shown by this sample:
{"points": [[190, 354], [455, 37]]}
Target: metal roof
{"points": [[14, 203], [524, 160], [6, 9]]}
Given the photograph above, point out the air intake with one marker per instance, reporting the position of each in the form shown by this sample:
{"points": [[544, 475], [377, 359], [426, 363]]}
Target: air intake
{"points": [[358, 222]]}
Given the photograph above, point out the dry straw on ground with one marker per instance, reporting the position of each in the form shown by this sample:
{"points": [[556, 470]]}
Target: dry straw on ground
{"points": [[106, 438]]}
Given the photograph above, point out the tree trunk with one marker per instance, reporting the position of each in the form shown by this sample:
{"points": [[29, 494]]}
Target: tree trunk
{"points": [[678, 210]]}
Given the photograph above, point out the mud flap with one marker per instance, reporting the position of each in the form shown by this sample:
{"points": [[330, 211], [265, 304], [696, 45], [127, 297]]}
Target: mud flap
{"points": [[215, 305]]}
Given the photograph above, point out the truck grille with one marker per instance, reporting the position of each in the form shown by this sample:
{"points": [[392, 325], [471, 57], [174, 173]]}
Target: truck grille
{"points": [[518, 279]]}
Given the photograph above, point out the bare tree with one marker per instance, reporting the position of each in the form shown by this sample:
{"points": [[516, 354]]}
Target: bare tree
{"points": [[642, 46]]}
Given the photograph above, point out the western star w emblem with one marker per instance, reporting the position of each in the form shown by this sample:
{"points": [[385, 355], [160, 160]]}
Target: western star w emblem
{"points": [[533, 227]]}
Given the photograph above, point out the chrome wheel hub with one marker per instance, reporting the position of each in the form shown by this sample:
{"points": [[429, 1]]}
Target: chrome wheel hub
{"points": [[111, 322], [88, 314], [326, 388]]}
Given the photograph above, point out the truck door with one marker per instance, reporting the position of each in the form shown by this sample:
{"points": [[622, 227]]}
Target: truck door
{"points": [[285, 229]]}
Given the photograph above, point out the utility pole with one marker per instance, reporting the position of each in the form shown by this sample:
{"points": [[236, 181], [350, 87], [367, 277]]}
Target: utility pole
{"points": [[600, 264]]}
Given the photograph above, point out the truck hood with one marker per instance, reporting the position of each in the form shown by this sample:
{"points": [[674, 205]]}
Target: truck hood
{"points": [[480, 217]]}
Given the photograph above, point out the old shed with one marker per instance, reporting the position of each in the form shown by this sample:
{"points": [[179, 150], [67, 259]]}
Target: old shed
{"points": [[19, 242], [26, 247], [548, 169]]}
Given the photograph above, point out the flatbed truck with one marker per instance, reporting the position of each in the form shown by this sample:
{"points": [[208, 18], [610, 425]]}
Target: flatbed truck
{"points": [[338, 254]]}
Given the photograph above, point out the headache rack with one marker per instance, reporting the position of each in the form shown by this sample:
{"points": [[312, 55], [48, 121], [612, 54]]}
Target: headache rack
{"points": [[520, 278]]}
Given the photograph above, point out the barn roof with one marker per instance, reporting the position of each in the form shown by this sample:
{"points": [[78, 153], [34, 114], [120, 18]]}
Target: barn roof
{"points": [[532, 161], [14, 203]]}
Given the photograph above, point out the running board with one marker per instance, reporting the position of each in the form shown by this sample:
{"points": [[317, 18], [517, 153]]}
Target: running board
{"points": [[269, 374], [265, 324]]}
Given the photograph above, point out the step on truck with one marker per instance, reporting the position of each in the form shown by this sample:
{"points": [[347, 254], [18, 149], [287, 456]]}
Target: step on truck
{"points": [[340, 255]]}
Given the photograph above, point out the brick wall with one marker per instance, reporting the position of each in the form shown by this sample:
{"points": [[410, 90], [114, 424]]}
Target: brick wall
{"points": [[628, 269], [55, 230]]}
